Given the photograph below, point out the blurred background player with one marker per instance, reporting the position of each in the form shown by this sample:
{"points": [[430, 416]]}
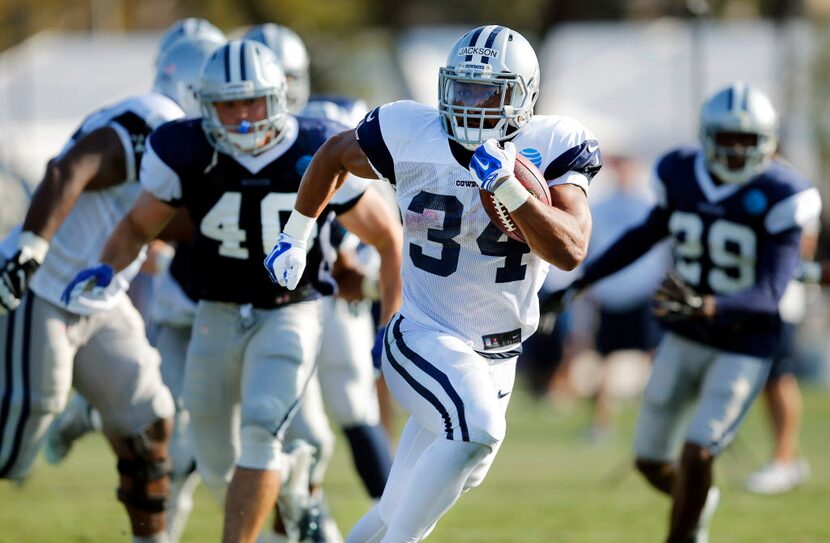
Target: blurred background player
{"points": [[101, 347], [345, 369], [253, 349], [735, 214], [182, 50]]}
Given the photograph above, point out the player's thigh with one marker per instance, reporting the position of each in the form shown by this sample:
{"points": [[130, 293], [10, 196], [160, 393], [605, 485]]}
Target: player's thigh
{"points": [[35, 378], [415, 439], [278, 362], [172, 342], [676, 374], [345, 365], [213, 365], [446, 386], [731, 384], [117, 370]]}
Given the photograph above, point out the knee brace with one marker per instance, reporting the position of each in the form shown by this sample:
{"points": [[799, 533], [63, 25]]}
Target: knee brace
{"points": [[144, 466], [260, 449]]}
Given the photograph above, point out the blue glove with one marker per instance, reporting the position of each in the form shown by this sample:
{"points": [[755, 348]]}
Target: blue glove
{"points": [[377, 348], [491, 163], [98, 277], [286, 262]]}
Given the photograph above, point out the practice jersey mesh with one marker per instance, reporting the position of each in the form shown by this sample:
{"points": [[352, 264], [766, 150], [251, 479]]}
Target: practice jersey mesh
{"points": [[78, 243], [460, 273]]}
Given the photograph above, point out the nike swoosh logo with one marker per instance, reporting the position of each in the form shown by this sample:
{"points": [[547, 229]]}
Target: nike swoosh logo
{"points": [[369, 117], [503, 394], [483, 164], [591, 147]]}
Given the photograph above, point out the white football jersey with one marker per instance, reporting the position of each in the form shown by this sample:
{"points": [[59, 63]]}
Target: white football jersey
{"points": [[81, 237], [461, 274]]}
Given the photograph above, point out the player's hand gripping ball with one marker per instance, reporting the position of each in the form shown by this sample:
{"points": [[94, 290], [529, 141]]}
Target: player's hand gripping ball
{"points": [[533, 180]]}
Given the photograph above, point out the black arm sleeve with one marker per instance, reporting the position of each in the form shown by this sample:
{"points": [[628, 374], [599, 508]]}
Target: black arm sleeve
{"points": [[633, 244], [776, 267]]}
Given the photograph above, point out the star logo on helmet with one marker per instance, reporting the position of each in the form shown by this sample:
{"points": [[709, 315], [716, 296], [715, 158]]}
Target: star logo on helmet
{"points": [[138, 142]]}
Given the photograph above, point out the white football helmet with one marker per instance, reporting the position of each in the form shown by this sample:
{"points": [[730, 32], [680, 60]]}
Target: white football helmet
{"points": [[178, 72], [192, 27], [489, 86], [238, 70], [293, 56], [742, 109]]}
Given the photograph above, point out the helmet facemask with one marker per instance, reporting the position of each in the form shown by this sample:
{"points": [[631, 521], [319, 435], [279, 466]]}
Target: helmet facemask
{"points": [[297, 91], [488, 86], [736, 156], [243, 70], [250, 137], [738, 132]]}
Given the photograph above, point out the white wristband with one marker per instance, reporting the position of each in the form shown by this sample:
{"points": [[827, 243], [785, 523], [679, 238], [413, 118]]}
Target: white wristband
{"points": [[511, 194], [299, 226], [32, 247]]}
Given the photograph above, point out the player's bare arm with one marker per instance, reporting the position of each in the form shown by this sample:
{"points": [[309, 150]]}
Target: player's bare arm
{"points": [[372, 221], [328, 170], [144, 222], [559, 233], [96, 161]]}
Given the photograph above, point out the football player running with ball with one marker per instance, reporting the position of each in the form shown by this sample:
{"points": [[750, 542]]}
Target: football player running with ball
{"points": [[470, 293], [735, 215], [251, 355]]}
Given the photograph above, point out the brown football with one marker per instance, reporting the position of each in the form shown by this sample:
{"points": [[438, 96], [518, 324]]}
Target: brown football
{"points": [[533, 180]]}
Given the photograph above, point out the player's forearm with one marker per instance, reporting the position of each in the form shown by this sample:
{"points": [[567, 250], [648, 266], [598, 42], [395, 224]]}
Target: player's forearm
{"points": [[54, 199], [390, 280], [554, 235], [321, 180], [124, 244], [776, 268], [629, 247]]}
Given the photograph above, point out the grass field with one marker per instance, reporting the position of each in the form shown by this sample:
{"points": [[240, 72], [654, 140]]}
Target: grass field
{"points": [[547, 485]]}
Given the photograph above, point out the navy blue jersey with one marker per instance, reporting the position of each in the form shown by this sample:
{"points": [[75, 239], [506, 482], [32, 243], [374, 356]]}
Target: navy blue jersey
{"points": [[181, 269], [738, 242], [240, 204]]}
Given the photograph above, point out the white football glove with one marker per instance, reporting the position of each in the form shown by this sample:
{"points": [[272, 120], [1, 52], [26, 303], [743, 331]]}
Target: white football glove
{"points": [[286, 262], [491, 163], [94, 279]]}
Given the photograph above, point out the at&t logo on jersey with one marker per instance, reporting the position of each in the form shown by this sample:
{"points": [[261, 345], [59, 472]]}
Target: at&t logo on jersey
{"points": [[533, 155]]}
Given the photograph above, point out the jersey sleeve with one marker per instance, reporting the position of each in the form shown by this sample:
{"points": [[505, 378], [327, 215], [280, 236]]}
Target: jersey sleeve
{"points": [[659, 179], [371, 139], [795, 211], [348, 195], [576, 157], [157, 175], [133, 131]]}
